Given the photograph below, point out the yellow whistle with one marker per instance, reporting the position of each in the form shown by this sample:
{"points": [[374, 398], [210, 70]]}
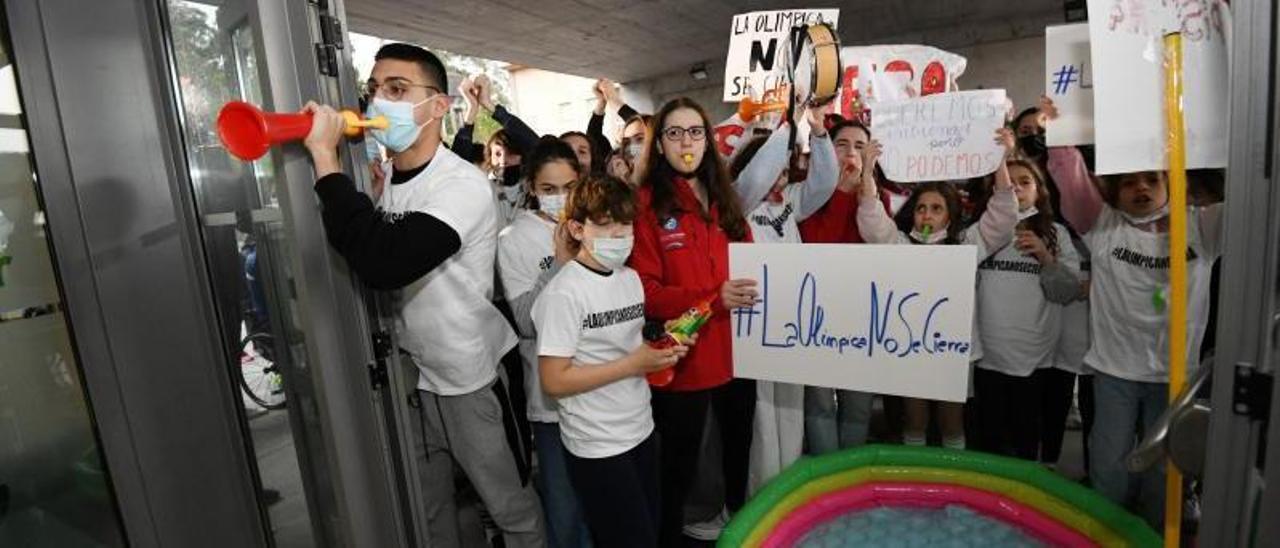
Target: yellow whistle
{"points": [[356, 124], [688, 160]]}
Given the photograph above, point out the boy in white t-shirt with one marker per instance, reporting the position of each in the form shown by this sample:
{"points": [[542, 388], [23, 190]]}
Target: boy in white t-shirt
{"points": [[432, 237], [592, 359]]}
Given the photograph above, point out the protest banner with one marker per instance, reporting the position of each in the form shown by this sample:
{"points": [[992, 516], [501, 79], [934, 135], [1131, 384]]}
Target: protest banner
{"points": [[1069, 83], [756, 58], [945, 137], [870, 72], [1128, 75], [893, 73], [865, 317]]}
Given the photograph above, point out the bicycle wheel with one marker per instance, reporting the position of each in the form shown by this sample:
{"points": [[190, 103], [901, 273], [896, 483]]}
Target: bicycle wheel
{"points": [[259, 378]]}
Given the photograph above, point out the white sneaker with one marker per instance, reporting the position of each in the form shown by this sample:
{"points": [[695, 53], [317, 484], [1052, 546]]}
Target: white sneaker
{"points": [[708, 530]]}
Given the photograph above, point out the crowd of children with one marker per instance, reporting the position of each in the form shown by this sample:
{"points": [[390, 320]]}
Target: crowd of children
{"points": [[592, 242]]}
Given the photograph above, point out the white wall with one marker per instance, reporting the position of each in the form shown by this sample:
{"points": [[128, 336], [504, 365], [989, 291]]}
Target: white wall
{"points": [[1015, 65], [552, 102]]}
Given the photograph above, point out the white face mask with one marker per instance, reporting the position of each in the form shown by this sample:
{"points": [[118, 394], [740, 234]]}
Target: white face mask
{"points": [[1147, 219], [612, 253], [933, 238], [633, 151], [552, 205], [1028, 213]]}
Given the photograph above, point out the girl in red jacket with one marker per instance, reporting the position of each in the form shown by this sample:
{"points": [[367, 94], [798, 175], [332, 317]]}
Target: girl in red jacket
{"points": [[687, 213]]}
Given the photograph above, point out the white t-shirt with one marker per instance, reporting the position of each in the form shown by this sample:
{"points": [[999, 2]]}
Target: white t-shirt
{"points": [[777, 223], [1019, 326], [510, 200], [446, 319], [1129, 266], [1073, 340], [593, 319], [525, 252]]}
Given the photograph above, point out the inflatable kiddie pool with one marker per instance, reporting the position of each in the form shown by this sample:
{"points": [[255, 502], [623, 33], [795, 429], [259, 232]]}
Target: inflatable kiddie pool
{"points": [[891, 495]]}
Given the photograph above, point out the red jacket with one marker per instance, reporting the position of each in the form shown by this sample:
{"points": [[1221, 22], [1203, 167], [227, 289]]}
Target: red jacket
{"points": [[681, 261], [837, 221]]}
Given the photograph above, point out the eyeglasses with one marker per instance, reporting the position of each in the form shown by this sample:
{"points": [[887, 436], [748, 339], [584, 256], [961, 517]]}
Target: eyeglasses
{"points": [[677, 133], [393, 89]]}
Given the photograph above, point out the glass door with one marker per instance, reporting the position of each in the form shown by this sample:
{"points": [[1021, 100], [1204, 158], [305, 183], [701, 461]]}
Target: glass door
{"points": [[54, 490], [247, 245]]}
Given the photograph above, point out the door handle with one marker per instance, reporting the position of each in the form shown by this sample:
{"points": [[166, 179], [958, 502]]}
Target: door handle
{"points": [[1181, 417]]}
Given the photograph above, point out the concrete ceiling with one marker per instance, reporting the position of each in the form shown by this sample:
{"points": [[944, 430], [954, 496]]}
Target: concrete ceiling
{"points": [[627, 40]]}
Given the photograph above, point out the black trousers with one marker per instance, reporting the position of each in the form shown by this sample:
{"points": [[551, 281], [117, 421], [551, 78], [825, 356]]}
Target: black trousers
{"points": [[1056, 388], [1008, 420], [680, 418], [619, 495]]}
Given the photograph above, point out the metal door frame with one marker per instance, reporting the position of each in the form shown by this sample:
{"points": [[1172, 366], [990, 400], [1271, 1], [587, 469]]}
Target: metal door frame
{"points": [[1247, 319], [98, 93]]}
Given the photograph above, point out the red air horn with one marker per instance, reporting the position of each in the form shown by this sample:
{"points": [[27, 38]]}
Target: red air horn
{"points": [[247, 132]]}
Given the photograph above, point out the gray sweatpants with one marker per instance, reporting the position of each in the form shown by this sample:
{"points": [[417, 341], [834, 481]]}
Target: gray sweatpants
{"points": [[472, 430]]}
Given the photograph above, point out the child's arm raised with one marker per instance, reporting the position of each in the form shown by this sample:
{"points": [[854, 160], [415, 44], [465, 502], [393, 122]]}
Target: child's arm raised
{"points": [[995, 228], [874, 222], [1078, 192], [758, 177], [824, 172]]}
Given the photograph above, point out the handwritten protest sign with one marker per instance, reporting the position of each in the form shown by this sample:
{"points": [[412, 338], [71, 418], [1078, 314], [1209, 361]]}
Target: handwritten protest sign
{"points": [[1127, 53], [870, 73], [756, 57], [950, 136], [864, 317], [1069, 83]]}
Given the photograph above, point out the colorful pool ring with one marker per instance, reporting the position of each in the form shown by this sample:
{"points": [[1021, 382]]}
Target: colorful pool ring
{"points": [[865, 496], [1023, 493], [1026, 483]]}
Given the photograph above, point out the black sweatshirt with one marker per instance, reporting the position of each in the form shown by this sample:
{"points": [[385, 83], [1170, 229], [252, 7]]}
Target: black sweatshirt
{"points": [[519, 134], [385, 253], [595, 129]]}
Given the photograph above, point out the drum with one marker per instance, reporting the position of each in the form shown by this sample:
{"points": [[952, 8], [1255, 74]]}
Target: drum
{"points": [[813, 64]]}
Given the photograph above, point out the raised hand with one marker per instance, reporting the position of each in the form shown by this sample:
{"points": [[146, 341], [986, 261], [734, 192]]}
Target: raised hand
{"points": [[1046, 106], [1006, 139]]}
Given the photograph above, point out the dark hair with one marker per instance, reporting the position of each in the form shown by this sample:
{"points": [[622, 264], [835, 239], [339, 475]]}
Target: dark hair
{"points": [[601, 199], [1111, 184], [745, 155], [427, 61], [843, 124], [1025, 112], [498, 137], [950, 197], [1042, 222], [594, 151], [659, 176], [547, 150]]}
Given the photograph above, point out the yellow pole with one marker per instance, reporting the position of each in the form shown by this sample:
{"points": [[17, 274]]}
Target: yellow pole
{"points": [[1177, 297]]}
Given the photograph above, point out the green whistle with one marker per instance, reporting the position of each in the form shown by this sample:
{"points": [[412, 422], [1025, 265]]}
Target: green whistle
{"points": [[1159, 300]]}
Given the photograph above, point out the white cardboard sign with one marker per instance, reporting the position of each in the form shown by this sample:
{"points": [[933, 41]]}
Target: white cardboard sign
{"points": [[857, 317], [1128, 62], [1069, 83], [943, 137], [756, 42]]}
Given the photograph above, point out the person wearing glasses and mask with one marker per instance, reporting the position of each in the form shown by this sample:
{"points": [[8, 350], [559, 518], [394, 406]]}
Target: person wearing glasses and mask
{"points": [[432, 236], [687, 214]]}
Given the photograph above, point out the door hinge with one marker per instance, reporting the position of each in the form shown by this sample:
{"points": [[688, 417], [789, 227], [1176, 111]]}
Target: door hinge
{"points": [[381, 352], [331, 31], [327, 59], [1252, 392]]}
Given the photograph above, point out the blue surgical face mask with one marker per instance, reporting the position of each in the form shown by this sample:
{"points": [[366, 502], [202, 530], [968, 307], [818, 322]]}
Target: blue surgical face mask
{"points": [[402, 131], [612, 253]]}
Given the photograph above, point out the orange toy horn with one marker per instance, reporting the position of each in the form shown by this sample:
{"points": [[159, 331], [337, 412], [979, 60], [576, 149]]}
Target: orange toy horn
{"points": [[247, 132], [749, 108]]}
